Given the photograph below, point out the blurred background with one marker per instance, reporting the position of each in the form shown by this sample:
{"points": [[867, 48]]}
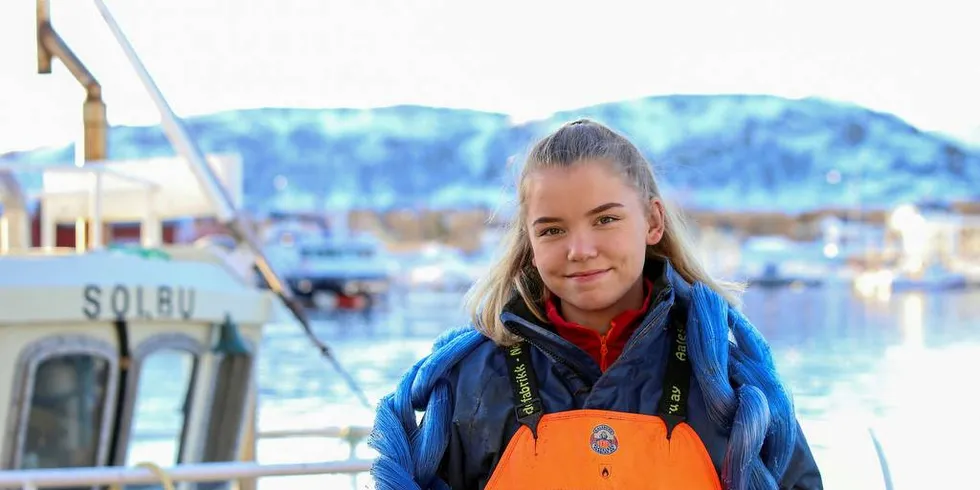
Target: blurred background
{"points": [[828, 153]]}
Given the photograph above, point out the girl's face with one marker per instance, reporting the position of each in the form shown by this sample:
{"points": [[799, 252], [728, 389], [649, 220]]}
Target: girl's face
{"points": [[589, 231]]}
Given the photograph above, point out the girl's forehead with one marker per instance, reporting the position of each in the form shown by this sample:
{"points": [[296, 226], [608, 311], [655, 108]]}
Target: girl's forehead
{"points": [[581, 186], [585, 174]]}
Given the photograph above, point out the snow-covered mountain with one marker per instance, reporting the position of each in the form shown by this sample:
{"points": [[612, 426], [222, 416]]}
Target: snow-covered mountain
{"points": [[734, 152]]}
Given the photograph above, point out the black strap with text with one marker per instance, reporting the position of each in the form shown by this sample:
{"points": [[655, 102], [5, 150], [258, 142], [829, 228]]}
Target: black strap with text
{"points": [[677, 380], [527, 398]]}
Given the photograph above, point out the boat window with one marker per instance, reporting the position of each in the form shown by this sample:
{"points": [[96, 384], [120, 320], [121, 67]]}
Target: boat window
{"points": [[154, 418], [66, 408], [161, 407], [65, 396]]}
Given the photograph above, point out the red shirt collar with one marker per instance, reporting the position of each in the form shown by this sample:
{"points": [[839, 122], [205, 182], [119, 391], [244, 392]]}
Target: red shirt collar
{"points": [[603, 348]]}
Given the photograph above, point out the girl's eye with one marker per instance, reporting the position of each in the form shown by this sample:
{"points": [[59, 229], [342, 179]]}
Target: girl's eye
{"points": [[549, 231], [605, 220]]}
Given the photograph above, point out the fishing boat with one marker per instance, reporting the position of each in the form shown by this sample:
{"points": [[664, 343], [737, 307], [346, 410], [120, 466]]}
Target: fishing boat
{"points": [[351, 272], [82, 326]]}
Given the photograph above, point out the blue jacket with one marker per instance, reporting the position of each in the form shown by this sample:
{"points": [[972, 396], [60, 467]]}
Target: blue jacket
{"points": [[481, 401]]}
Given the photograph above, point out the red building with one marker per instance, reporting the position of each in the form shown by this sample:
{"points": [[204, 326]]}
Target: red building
{"points": [[112, 233]]}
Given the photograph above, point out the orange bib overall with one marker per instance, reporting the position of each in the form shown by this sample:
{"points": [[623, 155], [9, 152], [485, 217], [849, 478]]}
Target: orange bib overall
{"points": [[600, 449]]}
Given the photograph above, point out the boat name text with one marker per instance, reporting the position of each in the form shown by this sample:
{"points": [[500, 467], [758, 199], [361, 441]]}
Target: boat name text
{"points": [[140, 302]]}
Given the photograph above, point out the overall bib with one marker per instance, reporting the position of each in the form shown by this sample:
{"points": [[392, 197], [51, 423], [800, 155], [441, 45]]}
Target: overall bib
{"points": [[602, 449]]}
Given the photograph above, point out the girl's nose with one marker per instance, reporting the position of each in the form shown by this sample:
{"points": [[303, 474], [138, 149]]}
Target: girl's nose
{"points": [[581, 247]]}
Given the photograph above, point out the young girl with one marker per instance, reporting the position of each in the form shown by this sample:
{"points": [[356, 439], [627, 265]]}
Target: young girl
{"points": [[603, 355]]}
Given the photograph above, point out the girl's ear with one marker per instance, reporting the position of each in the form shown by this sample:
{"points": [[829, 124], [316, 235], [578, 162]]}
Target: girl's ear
{"points": [[656, 221]]}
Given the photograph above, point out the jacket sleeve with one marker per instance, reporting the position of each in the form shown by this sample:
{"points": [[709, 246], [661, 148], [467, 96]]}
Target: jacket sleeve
{"points": [[482, 422], [802, 472], [470, 455], [452, 470]]}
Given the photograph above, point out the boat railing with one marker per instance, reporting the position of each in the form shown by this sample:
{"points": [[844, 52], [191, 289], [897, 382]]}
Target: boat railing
{"points": [[352, 435], [116, 477], [244, 473]]}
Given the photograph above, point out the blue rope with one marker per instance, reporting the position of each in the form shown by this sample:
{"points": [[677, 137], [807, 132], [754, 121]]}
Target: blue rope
{"points": [[758, 410], [410, 453]]}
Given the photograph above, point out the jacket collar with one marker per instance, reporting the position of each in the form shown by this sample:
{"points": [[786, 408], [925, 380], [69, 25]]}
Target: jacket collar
{"points": [[668, 284]]}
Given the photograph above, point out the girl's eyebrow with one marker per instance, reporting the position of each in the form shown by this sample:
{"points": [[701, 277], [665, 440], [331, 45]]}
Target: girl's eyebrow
{"points": [[596, 210]]}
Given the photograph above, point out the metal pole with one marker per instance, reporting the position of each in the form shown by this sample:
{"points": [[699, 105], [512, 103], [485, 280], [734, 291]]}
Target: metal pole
{"points": [[175, 131], [151, 229], [18, 232], [95, 213], [48, 227], [219, 197], [50, 45], [4, 235]]}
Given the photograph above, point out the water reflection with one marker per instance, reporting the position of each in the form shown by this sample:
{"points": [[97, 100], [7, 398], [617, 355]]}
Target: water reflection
{"points": [[912, 321], [892, 366]]}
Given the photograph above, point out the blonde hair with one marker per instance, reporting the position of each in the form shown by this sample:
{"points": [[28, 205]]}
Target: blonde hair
{"points": [[578, 141]]}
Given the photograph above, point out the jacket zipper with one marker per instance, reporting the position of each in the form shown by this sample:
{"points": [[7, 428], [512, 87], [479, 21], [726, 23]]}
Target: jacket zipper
{"points": [[551, 355], [603, 351], [648, 325]]}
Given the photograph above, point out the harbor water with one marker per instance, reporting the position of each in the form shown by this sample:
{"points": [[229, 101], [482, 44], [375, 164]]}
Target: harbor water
{"points": [[897, 369]]}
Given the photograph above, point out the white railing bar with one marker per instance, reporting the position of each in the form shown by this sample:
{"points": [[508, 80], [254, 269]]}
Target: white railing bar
{"points": [[61, 477], [346, 433], [356, 433]]}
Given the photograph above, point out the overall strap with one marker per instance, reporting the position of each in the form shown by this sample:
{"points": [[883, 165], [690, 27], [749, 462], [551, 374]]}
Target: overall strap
{"points": [[527, 398], [677, 380]]}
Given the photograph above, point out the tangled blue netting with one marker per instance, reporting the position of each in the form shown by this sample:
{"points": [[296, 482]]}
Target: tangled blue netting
{"points": [[757, 410], [409, 453]]}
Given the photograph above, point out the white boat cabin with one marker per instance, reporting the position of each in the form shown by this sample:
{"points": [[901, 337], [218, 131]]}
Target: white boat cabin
{"points": [[120, 356]]}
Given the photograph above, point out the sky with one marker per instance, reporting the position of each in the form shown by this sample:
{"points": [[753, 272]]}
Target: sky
{"points": [[526, 59]]}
